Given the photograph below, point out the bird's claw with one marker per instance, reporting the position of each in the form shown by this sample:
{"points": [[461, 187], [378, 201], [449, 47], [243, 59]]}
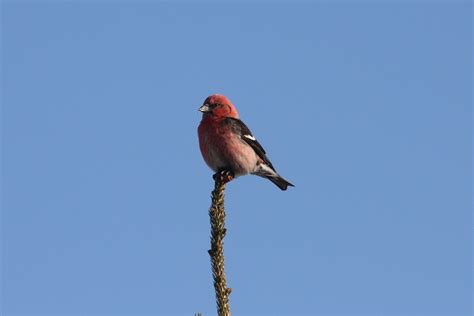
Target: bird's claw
{"points": [[224, 175]]}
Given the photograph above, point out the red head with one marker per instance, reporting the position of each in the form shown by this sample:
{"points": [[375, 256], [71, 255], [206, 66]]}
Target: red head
{"points": [[218, 106]]}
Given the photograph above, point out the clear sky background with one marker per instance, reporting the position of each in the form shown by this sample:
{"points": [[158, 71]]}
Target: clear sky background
{"points": [[365, 107]]}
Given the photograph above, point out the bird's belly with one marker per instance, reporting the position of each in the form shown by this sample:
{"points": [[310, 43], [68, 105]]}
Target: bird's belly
{"points": [[243, 159], [236, 155]]}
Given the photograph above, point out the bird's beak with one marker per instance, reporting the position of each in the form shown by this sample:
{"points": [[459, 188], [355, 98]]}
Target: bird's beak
{"points": [[204, 108]]}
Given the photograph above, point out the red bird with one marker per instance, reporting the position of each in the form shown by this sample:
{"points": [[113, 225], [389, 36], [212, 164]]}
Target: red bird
{"points": [[228, 145]]}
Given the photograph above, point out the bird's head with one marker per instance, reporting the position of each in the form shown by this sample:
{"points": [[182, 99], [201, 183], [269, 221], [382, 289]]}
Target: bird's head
{"points": [[218, 106]]}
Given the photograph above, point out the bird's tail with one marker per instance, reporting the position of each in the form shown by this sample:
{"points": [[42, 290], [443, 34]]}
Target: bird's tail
{"points": [[280, 182]]}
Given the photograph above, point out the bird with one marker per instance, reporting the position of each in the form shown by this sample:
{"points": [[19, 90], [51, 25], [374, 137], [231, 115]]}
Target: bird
{"points": [[228, 146]]}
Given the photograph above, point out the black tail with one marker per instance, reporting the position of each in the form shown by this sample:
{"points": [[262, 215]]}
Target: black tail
{"points": [[280, 182]]}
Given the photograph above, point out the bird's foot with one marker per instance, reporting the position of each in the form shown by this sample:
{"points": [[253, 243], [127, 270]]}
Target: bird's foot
{"points": [[223, 175]]}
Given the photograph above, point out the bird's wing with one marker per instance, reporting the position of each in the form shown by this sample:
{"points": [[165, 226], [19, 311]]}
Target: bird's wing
{"points": [[239, 128]]}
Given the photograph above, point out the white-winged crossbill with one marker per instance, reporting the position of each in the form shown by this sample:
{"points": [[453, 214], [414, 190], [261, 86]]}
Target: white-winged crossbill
{"points": [[228, 146]]}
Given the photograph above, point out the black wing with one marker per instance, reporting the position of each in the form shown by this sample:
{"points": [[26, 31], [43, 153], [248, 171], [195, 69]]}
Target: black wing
{"points": [[246, 135]]}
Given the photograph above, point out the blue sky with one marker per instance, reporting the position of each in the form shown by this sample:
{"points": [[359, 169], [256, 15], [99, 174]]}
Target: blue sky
{"points": [[364, 106]]}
